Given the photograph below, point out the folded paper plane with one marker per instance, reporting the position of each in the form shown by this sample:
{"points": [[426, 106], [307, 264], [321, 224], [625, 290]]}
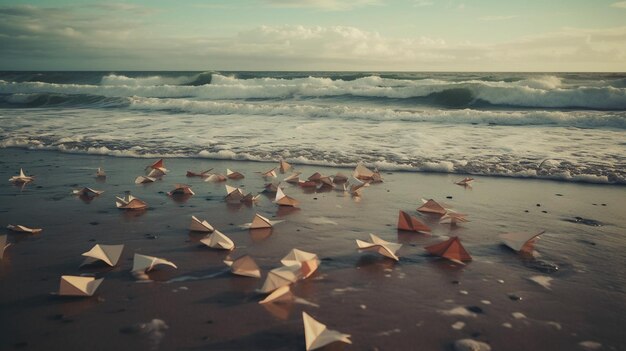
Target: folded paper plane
{"points": [[109, 254], [143, 263], [215, 177], [269, 174], [233, 175], [249, 198], [363, 173], [87, 192], [130, 203], [315, 177], [23, 229], [156, 173], [21, 178], [200, 226], [284, 166], [317, 335], [431, 206], [181, 189], [293, 178], [465, 181], [340, 178], [260, 222], [326, 181], [355, 187], [100, 173], [282, 294], [233, 195], [201, 174], [308, 262], [281, 276], [450, 249], [158, 165], [380, 246], [78, 286], [3, 245], [521, 242], [410, 223], [284, 200], [271, 187], [144, 180], [307, 183], [217, 240], [245, 266], [453, 218]]}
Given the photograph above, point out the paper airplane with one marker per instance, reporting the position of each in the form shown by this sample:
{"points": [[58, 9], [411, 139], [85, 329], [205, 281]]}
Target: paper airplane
{"points": [[284, 166], [156, 173], [381, 246], [271, 187], [450, 249], [249, 198], [355, 187], [130, 203], [363, 173], [143, 263], [21, 178], [87, 192], [245, 266], [201, 174], [233, 175], [410, 223], [200, 226], [71, 285], [521, 242], [109, 254], [100, 173], [260, 222], [3, 245], [317, 335], [217, 240], [453, 218], [23, 229], [269, 174], [279, 277], [158, 165], [465, 181], [293, 178], [340, 178], [282, 294], [144, 180], [327, 181], [431, 206], [215, 177], [308, 262], [315, 177], [181, 189], [284, 200], [234, 195], [307, 183]]}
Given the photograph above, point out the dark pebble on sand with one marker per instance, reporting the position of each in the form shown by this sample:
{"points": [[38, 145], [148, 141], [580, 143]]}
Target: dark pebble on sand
{"points": [[231, 223], [210, 321], [456, 282], [526, 211], [603, 204], [161, 192], [515, 297], [585, 221], [475, 309], [544, 211], [538, 205], [388, 225], [558, 194], [39, 187], [150, 236], [94, 223], [314, 198], [297, 230], [448, 197]]}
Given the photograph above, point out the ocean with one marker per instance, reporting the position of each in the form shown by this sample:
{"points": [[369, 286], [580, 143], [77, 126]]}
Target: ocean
{"points": [[560, 126]]}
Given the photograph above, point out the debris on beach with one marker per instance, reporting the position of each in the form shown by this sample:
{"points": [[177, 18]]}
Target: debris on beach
{"points": [[307, 262], [453, 218], [181, 189], [432, 206], [363, 173], [293, 178], [451, 249], [284, 200], [466, 182], [411, 223], [269, 174], [21, 178], [100, 173], [78, 286], [279, 277], [380, 246], [144, 180], [130, 203], [200, 226], [215, 177], [521, 242], [203, 174], [317, 335], [217, 240], [18, 228], [109, 254], [245, 266], [542, 280], [144, 264]]}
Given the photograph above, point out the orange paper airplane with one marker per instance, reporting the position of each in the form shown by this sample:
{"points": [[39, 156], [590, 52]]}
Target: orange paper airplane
{"points": [[21, 178], [130, 203], [431, 206], [284, 166], [233, 175], [411, 223], [450, 249], [521, 242], [284, 200], [181, 189]]}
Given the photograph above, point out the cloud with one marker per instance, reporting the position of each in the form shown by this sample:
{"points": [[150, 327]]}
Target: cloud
{"points": [[497, 18], [36, 38], [328, 5], [619, 4]]}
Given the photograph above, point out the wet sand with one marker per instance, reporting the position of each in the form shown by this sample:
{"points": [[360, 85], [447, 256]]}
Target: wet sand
{"points": [[411, 304]]}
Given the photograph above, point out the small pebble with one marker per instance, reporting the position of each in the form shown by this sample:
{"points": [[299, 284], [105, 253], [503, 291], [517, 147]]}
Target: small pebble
{"points": [[448, 197], [514, 297], [475, 309], [94, 223], [538, 205], [544, 211]]}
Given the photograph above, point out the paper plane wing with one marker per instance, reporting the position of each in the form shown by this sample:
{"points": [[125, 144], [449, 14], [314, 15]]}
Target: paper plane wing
{"points": [[245, 266], [316, 334], [410, 223], [280, 276], [282, 294], [521, 242], [147, 263], [431, 206], [218, 240], [109, 254], [200, 226], [78, 286]]}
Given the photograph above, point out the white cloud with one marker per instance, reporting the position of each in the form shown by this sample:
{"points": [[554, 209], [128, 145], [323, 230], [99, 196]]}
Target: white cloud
{"points": [[328, 5], [619, 4]]}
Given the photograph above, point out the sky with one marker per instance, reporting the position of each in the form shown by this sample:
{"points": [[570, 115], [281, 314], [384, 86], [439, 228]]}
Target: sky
{"points": [[314, 35]]}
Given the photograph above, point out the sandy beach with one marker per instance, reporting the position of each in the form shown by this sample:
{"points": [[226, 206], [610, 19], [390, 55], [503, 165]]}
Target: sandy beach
{"points": [[420, 302]]}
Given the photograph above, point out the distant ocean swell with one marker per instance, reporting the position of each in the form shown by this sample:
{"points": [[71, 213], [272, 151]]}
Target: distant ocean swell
{"points": [[539, 92]]}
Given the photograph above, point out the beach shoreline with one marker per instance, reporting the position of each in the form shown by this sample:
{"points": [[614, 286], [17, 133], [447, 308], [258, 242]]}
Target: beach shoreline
{"points": [[380, 303]]}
